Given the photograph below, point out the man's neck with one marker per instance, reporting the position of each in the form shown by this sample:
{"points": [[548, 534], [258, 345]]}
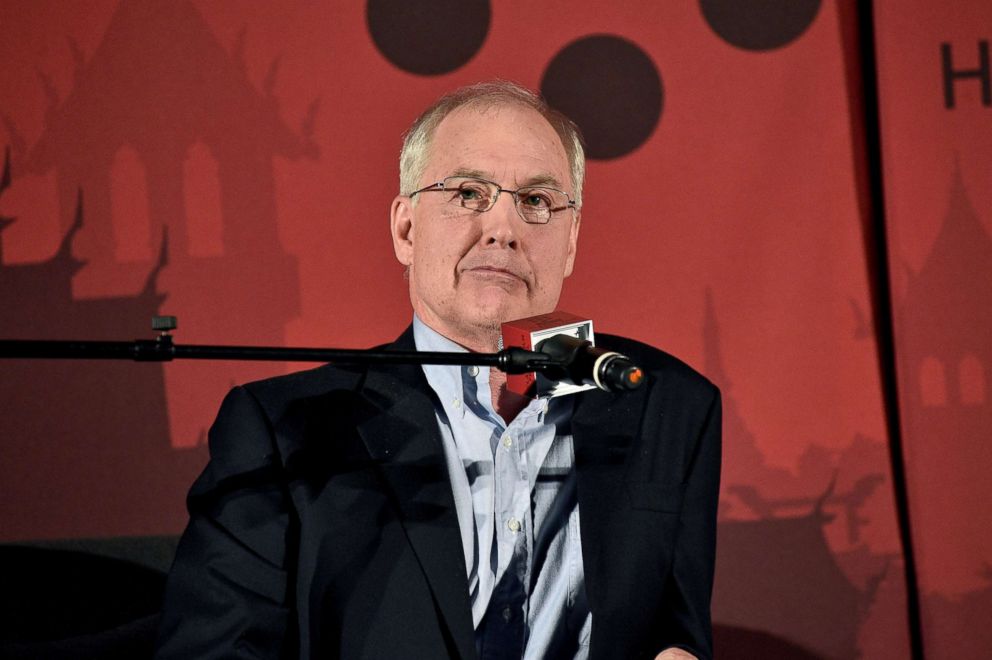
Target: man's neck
{"points": [[483, 341], [477, 339], [507, 404]]}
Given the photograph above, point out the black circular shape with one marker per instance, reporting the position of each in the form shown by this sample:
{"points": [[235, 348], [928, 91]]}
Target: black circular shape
{"points": [[610, 88], [759, 24], [428, 37]]}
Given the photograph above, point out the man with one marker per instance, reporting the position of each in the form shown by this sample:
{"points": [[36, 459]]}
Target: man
{"points": [[425, 512]]}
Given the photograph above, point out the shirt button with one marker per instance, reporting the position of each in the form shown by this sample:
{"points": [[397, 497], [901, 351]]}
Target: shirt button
{"points": [[473, 371], [507, 441], [457, 403], [507, 614], [513, 524]]}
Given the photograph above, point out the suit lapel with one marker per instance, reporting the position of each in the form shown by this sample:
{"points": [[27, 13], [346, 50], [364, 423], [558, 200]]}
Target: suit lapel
{"points": [[604, 427], [404, 439]]}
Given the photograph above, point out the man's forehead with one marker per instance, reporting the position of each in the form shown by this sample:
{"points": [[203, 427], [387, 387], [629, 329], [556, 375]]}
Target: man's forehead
{"points": [[520, 116], [471, 133]]}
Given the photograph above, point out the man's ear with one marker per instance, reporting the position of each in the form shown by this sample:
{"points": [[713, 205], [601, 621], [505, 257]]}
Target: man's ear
{"points": [[401, 228], [573, 241]]}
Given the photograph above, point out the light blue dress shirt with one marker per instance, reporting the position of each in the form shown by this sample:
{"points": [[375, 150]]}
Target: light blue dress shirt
{"points": [[514, 488]]}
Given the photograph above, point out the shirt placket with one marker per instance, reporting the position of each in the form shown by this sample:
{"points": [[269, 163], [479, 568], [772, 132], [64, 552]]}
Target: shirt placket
{"points": [[506, 628]]}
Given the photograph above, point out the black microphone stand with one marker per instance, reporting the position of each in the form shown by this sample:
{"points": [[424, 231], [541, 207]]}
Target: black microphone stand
{"points": [[162, 349]]}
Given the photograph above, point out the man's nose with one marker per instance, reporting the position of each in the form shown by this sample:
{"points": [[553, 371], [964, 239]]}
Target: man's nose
{"points": [[501, 223]]}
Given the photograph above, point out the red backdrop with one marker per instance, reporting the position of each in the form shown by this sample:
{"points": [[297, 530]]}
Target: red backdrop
{"points": [[936, 106], [236, 161]]}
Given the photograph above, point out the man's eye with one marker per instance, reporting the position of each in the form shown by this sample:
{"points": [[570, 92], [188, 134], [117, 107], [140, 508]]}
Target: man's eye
{"points": [[536, 199], [469, 194]]}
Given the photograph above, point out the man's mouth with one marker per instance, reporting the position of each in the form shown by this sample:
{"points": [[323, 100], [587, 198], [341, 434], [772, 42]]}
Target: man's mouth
{"points": [[495, 272]]}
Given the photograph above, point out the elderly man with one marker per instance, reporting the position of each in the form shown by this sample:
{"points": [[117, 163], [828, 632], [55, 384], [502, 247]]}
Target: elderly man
{"points": [[427, 512]]}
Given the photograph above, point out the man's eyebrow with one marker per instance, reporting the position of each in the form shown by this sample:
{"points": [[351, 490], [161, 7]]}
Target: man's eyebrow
{"points": [[475, 174], [543, 179]]}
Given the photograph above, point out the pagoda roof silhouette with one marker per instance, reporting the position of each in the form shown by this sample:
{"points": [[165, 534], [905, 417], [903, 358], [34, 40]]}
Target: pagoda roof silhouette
{"points": [[160, 77], [776, 564], [40, 295], [953, 288]]}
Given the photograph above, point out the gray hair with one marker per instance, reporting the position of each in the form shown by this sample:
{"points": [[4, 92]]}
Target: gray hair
{"points": [[417, 141]]}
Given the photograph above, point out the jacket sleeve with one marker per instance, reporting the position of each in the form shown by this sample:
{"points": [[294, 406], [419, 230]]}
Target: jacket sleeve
{"points": [[227, 593], [686, 622]]}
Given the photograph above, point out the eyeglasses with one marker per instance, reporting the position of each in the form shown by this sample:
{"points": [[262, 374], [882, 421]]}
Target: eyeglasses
{"points": [[534, 204]]}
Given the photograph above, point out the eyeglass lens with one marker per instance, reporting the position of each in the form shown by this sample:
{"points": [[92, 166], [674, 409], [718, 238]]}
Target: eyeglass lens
{"points": [[534, 204]]}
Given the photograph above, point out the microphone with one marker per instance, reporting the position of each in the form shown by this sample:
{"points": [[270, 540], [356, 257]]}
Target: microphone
{"points": [[559, 357], [584, 364]]}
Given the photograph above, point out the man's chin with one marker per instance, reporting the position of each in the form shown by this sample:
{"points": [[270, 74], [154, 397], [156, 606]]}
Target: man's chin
{"points": [[494, 306], [478, 318], [486, 323], [493, 316]]}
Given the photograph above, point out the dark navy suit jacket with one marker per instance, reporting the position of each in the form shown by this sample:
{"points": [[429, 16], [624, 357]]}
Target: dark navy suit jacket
{"points": [[324, 524]]}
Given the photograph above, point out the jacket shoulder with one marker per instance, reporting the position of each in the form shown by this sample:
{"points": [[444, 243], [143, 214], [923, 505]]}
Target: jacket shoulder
{"points": [[661, 365], [277, 392]]}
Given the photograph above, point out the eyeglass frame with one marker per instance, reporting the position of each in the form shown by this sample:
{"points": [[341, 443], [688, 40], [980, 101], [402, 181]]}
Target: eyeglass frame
{"points": [[439, 186]]}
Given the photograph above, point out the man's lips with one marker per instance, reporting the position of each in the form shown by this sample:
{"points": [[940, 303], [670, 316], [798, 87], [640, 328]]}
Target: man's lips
{"points": [[492, 269], [495, 272]]}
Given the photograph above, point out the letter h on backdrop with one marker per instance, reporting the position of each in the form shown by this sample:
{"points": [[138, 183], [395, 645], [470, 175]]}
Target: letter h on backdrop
{"points": [[952, 75]]}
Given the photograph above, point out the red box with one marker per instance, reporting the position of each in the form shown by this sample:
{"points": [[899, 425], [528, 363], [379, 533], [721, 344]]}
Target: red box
{"points": [[528, 333]]}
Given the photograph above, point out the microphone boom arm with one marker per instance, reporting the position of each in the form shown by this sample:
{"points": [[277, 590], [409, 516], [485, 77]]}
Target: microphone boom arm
{"points": [[511, 360], [559, 358]]}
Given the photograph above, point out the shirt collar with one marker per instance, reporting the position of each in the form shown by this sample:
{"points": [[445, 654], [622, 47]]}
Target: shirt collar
{"points": [[458, 387], [461, 389]]}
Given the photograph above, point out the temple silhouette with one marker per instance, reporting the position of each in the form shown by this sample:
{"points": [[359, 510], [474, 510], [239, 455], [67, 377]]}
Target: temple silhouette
{"points": [[85, 448], [772, 551], [164, 129], [946, 365], [945, 360], [162, 117]]}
